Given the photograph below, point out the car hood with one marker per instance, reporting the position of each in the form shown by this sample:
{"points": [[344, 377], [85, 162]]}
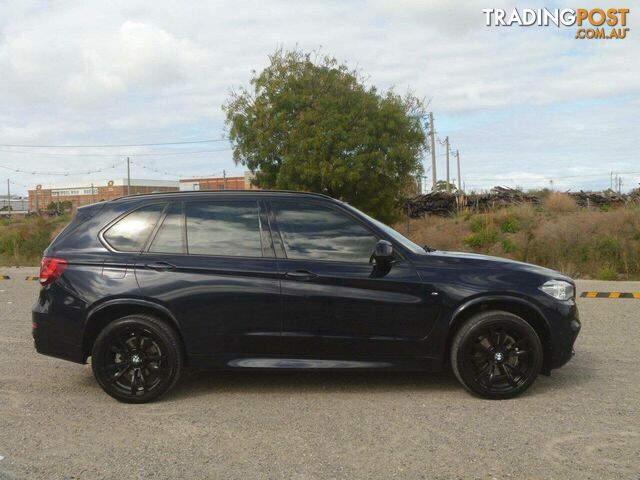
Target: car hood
{"points": [[461, 259]]}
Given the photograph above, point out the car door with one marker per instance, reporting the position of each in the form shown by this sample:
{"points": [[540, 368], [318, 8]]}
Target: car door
{"points": [[211, 262], [336, 304]]}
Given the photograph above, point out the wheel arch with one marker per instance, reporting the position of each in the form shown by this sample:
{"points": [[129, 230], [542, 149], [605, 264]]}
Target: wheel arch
{"points": [[100, 316], [515, 305]]}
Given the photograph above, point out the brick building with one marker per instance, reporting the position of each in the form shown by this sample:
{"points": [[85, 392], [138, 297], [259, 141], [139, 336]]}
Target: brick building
{"points": [[91, 191], [242, 182]]}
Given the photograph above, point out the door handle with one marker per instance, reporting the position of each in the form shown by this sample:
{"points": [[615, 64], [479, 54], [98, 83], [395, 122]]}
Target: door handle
{"points": [[161, 266], [300, 275]]}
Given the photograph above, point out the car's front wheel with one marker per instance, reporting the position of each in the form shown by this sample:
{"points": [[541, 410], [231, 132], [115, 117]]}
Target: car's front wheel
{"points": [[496, 355], [136, 359]]}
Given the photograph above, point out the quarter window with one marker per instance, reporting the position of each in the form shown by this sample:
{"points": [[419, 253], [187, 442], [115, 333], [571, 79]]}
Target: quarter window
{"points": [[130, 233], [320, 233], [224, 228]]}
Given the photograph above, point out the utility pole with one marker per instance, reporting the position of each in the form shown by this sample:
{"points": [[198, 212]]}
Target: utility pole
{"points": [[8, 196], [611, 185], [224, 179], [459, 180], [446, 145], [432, 133], [128, 176]]}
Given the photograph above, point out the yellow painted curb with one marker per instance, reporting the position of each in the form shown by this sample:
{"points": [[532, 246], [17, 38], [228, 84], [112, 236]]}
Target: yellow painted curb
{"points": [[635, 295]]}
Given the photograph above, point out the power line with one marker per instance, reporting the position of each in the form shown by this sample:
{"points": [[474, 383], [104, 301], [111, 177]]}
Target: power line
{"points": [[558, 177], [162, 172], [145, 154], [115, 145], [170, 174], [62, 174]]}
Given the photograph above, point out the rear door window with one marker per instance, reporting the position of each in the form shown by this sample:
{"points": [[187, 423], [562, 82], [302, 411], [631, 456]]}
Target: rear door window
{"points": [[224, 228], [130, 233]]}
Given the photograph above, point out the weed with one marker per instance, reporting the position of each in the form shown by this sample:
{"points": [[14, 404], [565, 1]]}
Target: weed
{"points": [[508, 246], [477, 224], [480, 239], [510, 224], [607, 272], [608, 247]]}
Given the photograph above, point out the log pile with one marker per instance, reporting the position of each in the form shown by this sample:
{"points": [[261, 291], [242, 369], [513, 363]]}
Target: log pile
{"points": [[444, 204], [598, 199], [434, 203]]}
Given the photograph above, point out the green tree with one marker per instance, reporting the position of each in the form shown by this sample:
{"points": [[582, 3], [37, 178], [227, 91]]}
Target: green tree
{"points": [[309, 123]]}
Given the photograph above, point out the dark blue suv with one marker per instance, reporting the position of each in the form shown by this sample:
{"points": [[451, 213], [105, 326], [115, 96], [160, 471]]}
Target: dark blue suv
{"points": [[149, 285]]}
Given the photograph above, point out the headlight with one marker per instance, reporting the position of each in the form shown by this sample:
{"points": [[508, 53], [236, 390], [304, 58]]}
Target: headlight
{"points": [[558, 289]]}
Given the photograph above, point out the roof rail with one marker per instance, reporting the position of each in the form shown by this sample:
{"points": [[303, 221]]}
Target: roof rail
{"points": [[221, 192]]}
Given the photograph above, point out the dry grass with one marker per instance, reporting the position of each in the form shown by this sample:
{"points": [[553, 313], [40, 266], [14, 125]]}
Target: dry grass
{"points": [[583, 243], [560, 203], [23, 239]]}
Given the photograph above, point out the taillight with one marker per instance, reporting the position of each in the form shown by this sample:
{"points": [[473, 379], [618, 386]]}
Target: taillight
{"points": [[51, 269]]}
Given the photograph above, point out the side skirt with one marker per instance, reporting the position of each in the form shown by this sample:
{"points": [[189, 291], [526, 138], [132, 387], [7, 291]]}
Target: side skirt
{"points": [[207, 362]]}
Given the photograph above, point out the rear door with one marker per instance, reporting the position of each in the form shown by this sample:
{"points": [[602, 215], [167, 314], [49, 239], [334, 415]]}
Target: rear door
{"points": [[336, 304], [212, 263]]}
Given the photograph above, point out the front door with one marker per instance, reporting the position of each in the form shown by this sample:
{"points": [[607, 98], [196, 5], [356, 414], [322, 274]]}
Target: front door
{"points": [[336, 304], [211, 263]]}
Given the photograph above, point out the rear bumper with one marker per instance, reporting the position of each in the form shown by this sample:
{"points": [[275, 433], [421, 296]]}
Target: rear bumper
{"points": [[56, 336]]}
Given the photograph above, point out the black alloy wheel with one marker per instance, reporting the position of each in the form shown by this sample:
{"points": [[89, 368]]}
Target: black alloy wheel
{"points": [[496, 355], [137, 358]]}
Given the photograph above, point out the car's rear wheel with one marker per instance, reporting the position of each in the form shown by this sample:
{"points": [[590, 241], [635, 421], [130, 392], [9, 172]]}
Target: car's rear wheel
{"points": [[136, 359], [496, 355]]}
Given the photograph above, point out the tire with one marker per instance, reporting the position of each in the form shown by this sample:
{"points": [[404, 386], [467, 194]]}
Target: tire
{"points": [[496, 355], [137, 358]]}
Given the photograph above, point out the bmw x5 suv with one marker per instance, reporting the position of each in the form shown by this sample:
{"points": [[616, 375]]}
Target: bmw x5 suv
{"points": [[149, 285]]}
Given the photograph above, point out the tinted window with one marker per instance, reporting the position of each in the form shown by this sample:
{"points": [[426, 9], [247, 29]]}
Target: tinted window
{"points": [[130, 233], [170, 237], [230, 228], [320, 233]]}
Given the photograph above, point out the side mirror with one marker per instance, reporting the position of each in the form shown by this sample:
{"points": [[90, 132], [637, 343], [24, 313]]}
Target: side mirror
{"points": [[383, 253]]}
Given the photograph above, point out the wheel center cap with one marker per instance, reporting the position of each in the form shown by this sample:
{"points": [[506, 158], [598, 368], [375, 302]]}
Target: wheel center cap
{"points": [[498, 356], [136, 360]]}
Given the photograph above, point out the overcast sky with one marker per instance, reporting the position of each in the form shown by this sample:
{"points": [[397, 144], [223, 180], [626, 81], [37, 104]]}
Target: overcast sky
{"points": [[525, 106]]}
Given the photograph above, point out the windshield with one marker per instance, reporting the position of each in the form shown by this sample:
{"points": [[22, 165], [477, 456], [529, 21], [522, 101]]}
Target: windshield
{"points": [[398, 237]]}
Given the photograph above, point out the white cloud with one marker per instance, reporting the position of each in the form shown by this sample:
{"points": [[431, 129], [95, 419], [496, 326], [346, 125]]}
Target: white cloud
{"points": [[48, 64]]}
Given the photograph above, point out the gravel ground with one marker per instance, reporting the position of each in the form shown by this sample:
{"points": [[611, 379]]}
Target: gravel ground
{"points": [[583, 422]]}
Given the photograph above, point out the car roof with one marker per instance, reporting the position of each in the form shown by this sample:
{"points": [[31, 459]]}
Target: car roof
{"points": [[221, 193]]}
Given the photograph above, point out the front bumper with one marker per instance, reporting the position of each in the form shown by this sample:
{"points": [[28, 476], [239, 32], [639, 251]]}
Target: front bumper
{"points": [[565, 326]]}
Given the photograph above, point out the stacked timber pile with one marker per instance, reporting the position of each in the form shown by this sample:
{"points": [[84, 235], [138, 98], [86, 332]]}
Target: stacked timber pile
{"points": [[434, 203], [599, 199], [443, 204], [634, 196]]}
